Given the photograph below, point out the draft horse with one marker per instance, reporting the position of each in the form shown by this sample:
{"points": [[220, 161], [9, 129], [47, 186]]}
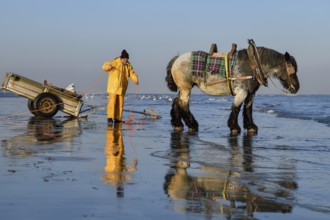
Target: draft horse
{"points": [[253, 66]]}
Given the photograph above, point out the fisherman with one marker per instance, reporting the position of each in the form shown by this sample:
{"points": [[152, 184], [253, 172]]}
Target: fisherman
{"points": [[119, 71]]}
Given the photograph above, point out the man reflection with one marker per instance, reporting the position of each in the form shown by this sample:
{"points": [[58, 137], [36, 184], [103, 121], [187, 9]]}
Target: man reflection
{"points": [[116, 169]]}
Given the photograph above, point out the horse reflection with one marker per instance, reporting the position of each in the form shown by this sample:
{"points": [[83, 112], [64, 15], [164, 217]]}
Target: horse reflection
{"points": [[233, 190], [42, 132], [116, 168]]}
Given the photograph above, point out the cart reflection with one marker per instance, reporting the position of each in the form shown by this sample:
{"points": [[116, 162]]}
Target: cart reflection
{"points": [[41, 134]]}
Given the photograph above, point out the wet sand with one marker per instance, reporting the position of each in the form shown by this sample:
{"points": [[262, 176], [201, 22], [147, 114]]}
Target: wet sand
{"points": [[85, 169]]}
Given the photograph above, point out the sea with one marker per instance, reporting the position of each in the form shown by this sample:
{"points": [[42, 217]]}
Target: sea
{"points": [[283, 172]]}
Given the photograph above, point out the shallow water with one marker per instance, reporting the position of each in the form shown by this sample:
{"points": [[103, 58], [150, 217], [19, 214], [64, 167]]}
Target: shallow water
{"points": [[72, 169]]}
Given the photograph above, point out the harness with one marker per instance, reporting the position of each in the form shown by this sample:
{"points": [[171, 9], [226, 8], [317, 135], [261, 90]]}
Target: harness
{"points": [[254, 62], [230, 62]]}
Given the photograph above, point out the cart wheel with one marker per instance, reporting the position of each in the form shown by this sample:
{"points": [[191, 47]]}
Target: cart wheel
{"points": [[46, 105], [30, 107]]}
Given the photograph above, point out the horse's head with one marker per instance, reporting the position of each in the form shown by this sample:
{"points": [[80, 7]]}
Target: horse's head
{"points": [[289, 78]]}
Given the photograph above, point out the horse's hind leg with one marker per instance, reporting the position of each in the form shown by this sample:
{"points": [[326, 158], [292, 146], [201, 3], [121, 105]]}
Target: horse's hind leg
{"points": [[247, 115], [183, 106], [189, 119], [176, 115], [187, 116]]}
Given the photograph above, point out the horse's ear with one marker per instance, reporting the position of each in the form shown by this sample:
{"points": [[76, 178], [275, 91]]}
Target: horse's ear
{"points": [[287, 57]]}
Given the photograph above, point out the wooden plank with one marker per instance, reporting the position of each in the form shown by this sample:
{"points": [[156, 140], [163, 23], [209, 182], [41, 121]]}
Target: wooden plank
{"points": [[23, 89], [219, 54]]}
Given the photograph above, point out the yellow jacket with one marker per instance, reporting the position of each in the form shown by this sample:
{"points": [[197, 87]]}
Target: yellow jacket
{"points": [[118, 76]]}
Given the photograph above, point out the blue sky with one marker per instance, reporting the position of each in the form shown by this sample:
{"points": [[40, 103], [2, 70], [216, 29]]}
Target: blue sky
{"points": [[67, 41]]}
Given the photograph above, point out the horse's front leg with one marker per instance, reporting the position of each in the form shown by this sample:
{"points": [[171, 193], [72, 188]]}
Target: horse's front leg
{"points": [[232, 122], [248, 123]]}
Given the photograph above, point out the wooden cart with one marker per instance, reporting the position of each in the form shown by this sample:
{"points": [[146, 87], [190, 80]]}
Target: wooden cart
{"points": [[44, 100]]}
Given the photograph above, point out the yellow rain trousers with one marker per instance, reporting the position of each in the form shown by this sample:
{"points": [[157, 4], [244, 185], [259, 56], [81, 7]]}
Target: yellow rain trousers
{"points": [[115, 106], [117, 85]]}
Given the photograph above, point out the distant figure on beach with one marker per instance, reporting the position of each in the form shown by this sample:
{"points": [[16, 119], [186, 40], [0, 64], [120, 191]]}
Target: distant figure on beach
{"points": [[116, 170], [119, 71]]}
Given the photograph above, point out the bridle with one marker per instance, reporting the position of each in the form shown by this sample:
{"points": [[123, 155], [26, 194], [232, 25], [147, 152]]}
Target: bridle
{"points": [[290, 71]]}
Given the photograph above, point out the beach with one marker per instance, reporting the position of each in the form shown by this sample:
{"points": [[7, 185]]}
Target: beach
{"points": [[64, 168]]}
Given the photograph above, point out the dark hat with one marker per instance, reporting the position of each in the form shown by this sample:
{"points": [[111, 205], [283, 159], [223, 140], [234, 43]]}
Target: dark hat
{"points": [[124, 54]]}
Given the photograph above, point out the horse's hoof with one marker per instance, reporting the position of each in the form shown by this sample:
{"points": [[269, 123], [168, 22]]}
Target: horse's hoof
{"points": [[192, 130], [252, 131], [235, 132], [178, 128]]}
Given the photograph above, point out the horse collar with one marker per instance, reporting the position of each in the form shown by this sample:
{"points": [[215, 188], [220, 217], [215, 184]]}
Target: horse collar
{"points": [[254, 61]]}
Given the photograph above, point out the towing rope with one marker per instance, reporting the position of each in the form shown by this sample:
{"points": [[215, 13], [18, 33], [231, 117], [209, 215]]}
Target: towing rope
{"points": [[92, 86], [131, 118]]}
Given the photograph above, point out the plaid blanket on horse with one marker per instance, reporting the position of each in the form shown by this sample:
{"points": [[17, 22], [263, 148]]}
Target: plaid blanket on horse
{"points": [[202, 63]]}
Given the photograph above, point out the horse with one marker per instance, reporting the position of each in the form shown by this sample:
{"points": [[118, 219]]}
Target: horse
{"points": [[243, 83]]}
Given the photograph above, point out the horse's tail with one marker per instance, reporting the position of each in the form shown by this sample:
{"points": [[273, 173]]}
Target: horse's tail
{"points": [[169, 78]]}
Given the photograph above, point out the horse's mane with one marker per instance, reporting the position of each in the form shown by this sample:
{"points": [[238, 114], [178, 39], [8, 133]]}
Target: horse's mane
{"points": [[269, 57], [272, 57]]}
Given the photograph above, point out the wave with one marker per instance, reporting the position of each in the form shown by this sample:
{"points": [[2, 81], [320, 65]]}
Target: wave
{"points": [[306, 107], [302, 107]]}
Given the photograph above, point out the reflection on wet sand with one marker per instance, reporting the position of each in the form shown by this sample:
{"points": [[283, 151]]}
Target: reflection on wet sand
{"points": [[116, 170], [234, 190], [41, 132]]}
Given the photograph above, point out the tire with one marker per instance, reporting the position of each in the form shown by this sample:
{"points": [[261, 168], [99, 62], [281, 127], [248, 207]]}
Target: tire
{"points": [[31, 108], [46, 105]]}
